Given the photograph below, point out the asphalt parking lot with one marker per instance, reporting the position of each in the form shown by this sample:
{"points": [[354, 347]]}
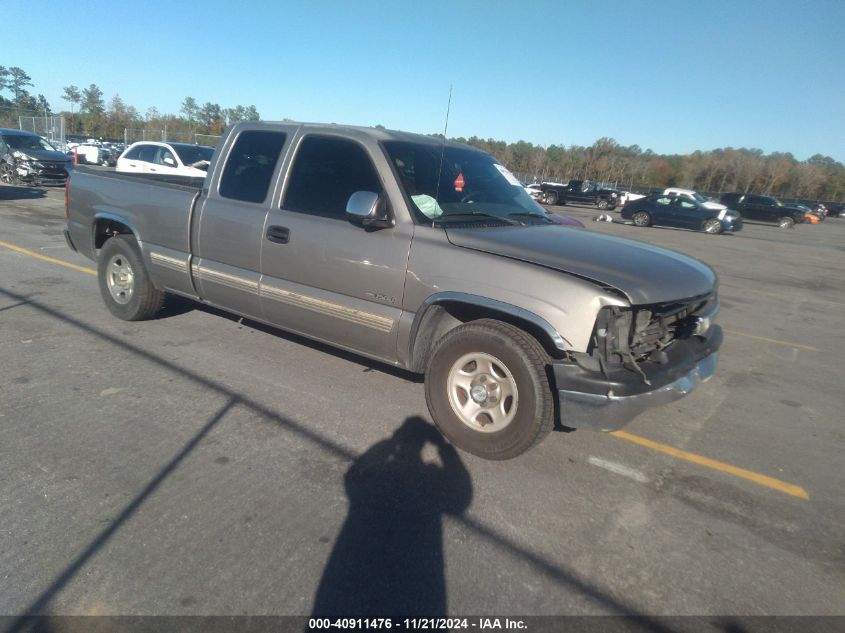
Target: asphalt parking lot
{"points": [[197, 464]]}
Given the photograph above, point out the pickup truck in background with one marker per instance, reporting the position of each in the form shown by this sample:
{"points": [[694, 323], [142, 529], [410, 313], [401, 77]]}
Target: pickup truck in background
{"points": [[763, 209], [426, 255], [580, 191]]}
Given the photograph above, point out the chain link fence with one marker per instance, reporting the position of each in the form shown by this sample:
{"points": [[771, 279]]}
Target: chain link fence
{"points": [[50, 127], [135, 135]]}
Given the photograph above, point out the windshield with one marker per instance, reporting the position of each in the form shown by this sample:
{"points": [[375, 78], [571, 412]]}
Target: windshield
{"points": [[698, 197], [190, 154], [471, 183], [25, 142]]}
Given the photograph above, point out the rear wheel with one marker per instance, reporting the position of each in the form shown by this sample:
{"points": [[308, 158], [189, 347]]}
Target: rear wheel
{"points": [[713, 226], [786, 222], [124, 283], [641, 218], [487, 389]]}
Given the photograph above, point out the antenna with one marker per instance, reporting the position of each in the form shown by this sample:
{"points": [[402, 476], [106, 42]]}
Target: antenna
{"points": [[442, 151]]}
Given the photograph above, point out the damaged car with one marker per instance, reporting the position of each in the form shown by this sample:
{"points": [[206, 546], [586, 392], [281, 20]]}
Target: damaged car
{"points": [[26, 158]]}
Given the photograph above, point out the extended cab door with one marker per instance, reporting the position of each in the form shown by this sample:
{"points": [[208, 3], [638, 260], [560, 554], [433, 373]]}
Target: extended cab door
{"points": [[323, 276], [230, 231]]}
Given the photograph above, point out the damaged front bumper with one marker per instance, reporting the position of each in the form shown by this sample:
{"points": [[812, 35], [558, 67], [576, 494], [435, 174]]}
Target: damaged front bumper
{"points": [[606, 401]]}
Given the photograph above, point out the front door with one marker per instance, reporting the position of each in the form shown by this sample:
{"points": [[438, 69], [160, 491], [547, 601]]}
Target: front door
{"points": [[323, 276], [688, 214]]}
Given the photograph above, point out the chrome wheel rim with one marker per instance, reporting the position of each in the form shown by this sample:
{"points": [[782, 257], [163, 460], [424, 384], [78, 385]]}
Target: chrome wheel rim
{"points": [[120, 279], [482, 392], [711, 227], [640, 219]]}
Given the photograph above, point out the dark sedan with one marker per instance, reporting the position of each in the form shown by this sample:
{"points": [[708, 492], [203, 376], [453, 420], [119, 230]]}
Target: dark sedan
{"points": [[682, 213]]}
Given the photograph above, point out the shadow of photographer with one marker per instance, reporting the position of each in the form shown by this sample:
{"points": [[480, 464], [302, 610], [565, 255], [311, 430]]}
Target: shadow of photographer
{"points": [[388, 557]]}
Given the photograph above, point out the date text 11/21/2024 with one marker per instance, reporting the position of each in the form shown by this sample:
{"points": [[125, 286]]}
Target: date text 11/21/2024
{"points": [[448, 624]]}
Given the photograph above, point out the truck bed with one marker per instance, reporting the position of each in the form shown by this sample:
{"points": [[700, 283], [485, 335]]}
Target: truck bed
{"points": [[157, 207]]}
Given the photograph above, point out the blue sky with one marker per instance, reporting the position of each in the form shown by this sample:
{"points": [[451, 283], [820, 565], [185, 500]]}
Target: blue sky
{"points": [[672, 76]]}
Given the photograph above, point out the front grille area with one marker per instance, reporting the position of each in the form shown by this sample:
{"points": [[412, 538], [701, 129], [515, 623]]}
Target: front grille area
{"points": [[625, 335]]}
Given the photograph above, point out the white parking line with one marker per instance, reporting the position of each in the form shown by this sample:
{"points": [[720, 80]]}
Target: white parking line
{"points": [[619, 469]]}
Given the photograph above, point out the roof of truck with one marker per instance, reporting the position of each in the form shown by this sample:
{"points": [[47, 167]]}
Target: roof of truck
{"points": [[379, 134]]}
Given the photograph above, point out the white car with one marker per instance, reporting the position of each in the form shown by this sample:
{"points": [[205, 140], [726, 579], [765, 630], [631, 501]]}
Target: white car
{"points": [[171, 159], [694, 195], [628, 196], [534, 191]]}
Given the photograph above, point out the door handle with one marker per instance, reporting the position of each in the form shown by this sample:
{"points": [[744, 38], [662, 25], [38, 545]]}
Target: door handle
{"points": [[278, 234]]}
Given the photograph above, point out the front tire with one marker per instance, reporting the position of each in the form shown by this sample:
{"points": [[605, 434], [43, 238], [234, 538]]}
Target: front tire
{"points": [[603, 204], [641, 218], [550, 198], [712, 226], [487, 389], [7, 174], [124, 283], [786, 222]]}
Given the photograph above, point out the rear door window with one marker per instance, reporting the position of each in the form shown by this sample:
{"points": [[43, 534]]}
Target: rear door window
{"points": [[251, 164], [325, 173]]}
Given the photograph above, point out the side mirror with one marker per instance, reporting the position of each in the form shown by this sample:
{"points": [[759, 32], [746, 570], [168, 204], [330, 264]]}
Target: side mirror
{"points": [[368, 209]]}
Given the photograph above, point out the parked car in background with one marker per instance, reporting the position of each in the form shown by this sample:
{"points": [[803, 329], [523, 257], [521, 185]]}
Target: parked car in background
{"points": [[690, 194], [172, 159], [763, 209], [836, 210], [27, 158], [534, 190], [629, 196], [662, 209], [88, 154], [581, 191]]}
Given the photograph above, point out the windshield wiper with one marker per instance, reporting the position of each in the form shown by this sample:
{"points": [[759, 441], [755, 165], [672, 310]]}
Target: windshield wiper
{"points": [[528, 214], [463, 217]]}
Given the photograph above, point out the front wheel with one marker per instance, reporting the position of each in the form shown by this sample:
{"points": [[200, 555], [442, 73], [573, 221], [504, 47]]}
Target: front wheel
{"points": [[7, 174], [124, 283], [786, 222], [641, 218], [487, 389], [713, 226], [602, 204], [550, 198]]}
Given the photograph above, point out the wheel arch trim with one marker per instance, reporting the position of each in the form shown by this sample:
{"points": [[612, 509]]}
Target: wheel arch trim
{"points": [[476, 301], [99, 216]]}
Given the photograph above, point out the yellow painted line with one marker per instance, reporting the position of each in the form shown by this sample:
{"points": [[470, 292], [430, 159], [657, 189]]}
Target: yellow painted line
{"points": [[52, 260], [750, 475], [776, 341]]}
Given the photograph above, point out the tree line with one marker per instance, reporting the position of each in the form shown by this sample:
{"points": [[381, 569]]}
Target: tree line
{"points": [[88, 113], [629, 167], [746, 170]]}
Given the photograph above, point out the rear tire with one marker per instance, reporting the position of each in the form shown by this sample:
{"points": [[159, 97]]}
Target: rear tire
{"points": [[786, 222], [124, 283], [487, 389], [641, 218]]}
